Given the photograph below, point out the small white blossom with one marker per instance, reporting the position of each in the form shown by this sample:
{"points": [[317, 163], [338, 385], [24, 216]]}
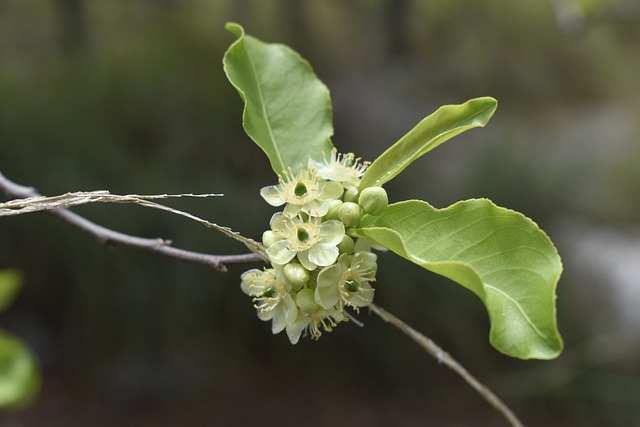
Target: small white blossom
{"points": [[318, 269], [343, 168], [314, 324], [271, 297], [314, 243], [347, 283], [302, 192]]}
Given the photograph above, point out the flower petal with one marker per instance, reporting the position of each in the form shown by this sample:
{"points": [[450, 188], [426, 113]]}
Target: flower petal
{"points": [[303, 257], [327, 297], [327, 292], [365, 260], [323, 254], [249, 278], [331, 232], [280, 252], [363, 297], [294, 330], [291, 210], [265, 315], [272, 195], [278, 221], [362, 245], [279, 321], [331, 190], [316, 208], [291, 309], [330, 276]]}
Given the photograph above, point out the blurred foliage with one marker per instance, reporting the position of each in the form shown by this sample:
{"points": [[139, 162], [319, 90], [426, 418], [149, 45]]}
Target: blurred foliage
{"points": [[19, 379], [10, 282], [131, 97]]}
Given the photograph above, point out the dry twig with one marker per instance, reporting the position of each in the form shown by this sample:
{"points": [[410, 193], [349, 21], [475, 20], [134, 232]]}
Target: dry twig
{"points": [[30, 201]]}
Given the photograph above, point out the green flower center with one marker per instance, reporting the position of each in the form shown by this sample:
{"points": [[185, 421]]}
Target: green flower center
{"points": [[269, 292], [351, 286], [303, 234], [300, 190]]}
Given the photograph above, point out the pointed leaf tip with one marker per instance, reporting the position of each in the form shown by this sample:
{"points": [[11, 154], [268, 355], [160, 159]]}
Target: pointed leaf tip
{"points": [[235, 29], [445, 123]]}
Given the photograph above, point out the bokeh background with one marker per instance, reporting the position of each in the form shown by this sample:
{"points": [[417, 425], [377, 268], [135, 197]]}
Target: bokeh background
{"points": [[130, 96]]}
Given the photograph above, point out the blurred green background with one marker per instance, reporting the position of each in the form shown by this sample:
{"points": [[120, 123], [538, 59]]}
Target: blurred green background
{"points": [[130, 96]]}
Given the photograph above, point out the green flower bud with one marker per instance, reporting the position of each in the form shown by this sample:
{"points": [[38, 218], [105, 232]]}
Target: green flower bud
{"points": [[306, 302], [347, 245], [334, 206], [269, 237], [350, 213], [373, 200], [296, 275], [350, 194]]}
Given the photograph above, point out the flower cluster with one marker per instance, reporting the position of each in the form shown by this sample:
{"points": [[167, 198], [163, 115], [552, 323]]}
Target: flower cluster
{"points": [[317, 269]]}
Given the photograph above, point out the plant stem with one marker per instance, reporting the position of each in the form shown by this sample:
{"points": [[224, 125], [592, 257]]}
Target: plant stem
{"points": [[445, 358], [109, 237]]}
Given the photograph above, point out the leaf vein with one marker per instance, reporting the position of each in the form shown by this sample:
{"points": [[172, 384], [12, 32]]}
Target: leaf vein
{"points": [[263, 107], [522, 312]]}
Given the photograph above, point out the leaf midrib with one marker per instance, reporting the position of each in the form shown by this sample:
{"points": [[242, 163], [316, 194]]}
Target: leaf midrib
{"points": [[263, 107]]}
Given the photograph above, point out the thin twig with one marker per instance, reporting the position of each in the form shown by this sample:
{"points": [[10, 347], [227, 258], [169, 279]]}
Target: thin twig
{"points": [[445, 358], [67, 200], [110, 237]]}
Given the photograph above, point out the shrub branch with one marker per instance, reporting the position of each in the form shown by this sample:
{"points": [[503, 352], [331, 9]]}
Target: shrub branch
{"points": [[110, 237]]}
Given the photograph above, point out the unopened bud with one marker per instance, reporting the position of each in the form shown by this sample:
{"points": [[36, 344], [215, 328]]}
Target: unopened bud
{"points": [[373, 200], [350, 214], [334, 207], [347, 245], [350, 194], [296, 275], [306, 302]]}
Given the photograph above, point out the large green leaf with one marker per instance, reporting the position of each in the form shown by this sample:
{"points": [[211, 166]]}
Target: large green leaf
{"points": [[499, 254], [447, 122], [19, 378], [287, 108]]}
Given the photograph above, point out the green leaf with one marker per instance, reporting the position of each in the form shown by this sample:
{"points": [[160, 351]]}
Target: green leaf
{"points": [[10, 281], [287, 108], [19, 377], [500, 255], [447, 122]]}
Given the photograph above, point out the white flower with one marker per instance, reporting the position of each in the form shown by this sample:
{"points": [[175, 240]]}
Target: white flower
{"points": [[343, 168], [271, 297], [302, 192], [314, 324], [347, 281], [314, 243]]}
